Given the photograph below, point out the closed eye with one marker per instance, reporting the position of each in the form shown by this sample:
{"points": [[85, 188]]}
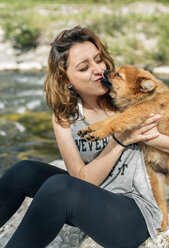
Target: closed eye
{"points": [[117, 75], [84, 68], [99, 61]]}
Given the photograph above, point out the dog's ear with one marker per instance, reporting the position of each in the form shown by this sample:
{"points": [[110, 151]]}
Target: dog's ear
{"points": [[147, 85]]}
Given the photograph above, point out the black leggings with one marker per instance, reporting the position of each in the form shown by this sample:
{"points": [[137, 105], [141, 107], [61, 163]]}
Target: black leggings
{"points": [[112, 220]]}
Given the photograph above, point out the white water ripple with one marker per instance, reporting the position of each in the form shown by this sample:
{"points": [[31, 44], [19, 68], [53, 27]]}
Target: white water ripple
{"points": [[30, 80], [21, 110], [31, 93], [20, 127], [33, 104], [2, 105], [2, 133]]}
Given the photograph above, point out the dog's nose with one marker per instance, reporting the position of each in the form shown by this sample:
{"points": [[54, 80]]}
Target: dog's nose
{"points": [[105, 80], [105, 74]]}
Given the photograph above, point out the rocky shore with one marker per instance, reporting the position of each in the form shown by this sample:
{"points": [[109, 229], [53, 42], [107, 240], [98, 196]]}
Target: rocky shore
{"points": [[71, 237], [36, 59], [14, 60]]}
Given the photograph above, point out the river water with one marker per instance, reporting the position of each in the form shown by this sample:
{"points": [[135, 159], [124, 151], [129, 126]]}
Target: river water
{"points": [[25, 121]]}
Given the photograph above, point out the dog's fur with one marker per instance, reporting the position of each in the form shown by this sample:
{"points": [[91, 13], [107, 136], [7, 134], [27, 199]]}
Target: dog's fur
{"points": [[136, 93]]}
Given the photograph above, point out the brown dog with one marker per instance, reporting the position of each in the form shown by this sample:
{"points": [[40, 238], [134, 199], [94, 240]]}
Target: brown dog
{"points": [[136, 93]]}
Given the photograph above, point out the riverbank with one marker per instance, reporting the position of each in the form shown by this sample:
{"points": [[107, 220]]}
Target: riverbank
{"points": [[12, 59], [136, 33], [25, 120], [36, 60]]}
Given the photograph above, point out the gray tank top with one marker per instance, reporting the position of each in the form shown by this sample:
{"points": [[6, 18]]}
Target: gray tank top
{"points": [[128, 176]]}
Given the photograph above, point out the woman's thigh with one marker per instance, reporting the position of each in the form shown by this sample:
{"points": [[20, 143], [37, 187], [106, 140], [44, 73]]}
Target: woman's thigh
{"points": [[27, 176], [112, 220]]}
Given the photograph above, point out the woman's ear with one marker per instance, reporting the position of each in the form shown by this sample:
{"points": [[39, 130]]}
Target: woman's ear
{"points": [[69, 87]]}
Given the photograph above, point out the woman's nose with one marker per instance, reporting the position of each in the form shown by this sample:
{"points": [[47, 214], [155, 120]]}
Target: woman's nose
{"points": [[97, 68]]}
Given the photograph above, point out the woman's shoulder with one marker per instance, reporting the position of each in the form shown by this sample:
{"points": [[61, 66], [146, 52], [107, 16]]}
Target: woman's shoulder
{"points": [[58, 126]]}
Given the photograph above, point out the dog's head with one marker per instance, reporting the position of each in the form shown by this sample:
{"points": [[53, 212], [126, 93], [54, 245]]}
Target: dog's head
{"points": [[129, 85]]}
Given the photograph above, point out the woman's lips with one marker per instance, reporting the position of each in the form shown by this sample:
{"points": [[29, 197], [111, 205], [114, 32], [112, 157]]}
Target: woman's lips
{"points": [[98, 79], [101, 75]]}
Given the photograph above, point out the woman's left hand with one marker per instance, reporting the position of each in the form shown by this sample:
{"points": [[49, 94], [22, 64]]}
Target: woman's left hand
{"points": [[154, 130]]}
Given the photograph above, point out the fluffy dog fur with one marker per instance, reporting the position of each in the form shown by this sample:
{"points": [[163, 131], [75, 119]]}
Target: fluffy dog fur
{"points": [[136, 93]]}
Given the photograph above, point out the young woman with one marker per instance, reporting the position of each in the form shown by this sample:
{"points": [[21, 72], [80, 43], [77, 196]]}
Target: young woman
{"points": [[105, 190]]}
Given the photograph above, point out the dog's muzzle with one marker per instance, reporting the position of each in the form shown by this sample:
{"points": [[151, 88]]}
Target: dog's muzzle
{"points": [[105, 80]]}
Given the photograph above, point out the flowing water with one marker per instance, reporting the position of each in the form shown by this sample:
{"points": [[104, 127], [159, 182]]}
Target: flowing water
{"points": [[25, 121]]}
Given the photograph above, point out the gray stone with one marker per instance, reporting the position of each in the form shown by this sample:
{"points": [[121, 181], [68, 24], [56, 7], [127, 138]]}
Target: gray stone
{"points": [[161, 70], [71, 237], [68, 237], [161, 241]]}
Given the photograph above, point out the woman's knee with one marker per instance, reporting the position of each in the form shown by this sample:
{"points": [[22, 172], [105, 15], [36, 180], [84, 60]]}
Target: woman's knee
{"points": [[64, 187], [57, 183]]}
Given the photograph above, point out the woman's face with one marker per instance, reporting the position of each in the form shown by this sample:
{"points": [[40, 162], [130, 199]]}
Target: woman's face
{"points": [[85, 68]]}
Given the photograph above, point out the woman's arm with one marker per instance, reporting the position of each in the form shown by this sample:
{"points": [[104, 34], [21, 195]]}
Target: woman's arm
{"points": [[161, 143], [96, 171]]}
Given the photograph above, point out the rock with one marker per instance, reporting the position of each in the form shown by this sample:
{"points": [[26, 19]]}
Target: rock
{"points": [[36, 58], [59, 163], [89, 243], [146, 8], [7, 55], [70, 237], [30, 65], [2, 34], [161, 241], [13, 59], [161, 70]]}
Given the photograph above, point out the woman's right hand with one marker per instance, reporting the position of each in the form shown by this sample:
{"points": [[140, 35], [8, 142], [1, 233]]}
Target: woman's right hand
{"points": [[147, 131]]}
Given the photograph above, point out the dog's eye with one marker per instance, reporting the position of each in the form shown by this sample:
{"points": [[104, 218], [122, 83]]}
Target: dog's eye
{"points": [[117, 75]]}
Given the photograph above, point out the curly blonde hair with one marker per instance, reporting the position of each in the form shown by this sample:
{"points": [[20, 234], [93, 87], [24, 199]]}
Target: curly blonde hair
{"points": [[60, 99]]}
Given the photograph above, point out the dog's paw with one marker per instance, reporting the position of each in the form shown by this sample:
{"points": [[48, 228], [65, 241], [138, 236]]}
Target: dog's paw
{"points": [[84, 131], [98, 134], [91, 137], [94, 136]]}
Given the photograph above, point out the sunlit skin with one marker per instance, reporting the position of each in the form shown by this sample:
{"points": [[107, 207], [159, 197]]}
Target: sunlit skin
{"points": [[85, 68], [84, 71]]}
